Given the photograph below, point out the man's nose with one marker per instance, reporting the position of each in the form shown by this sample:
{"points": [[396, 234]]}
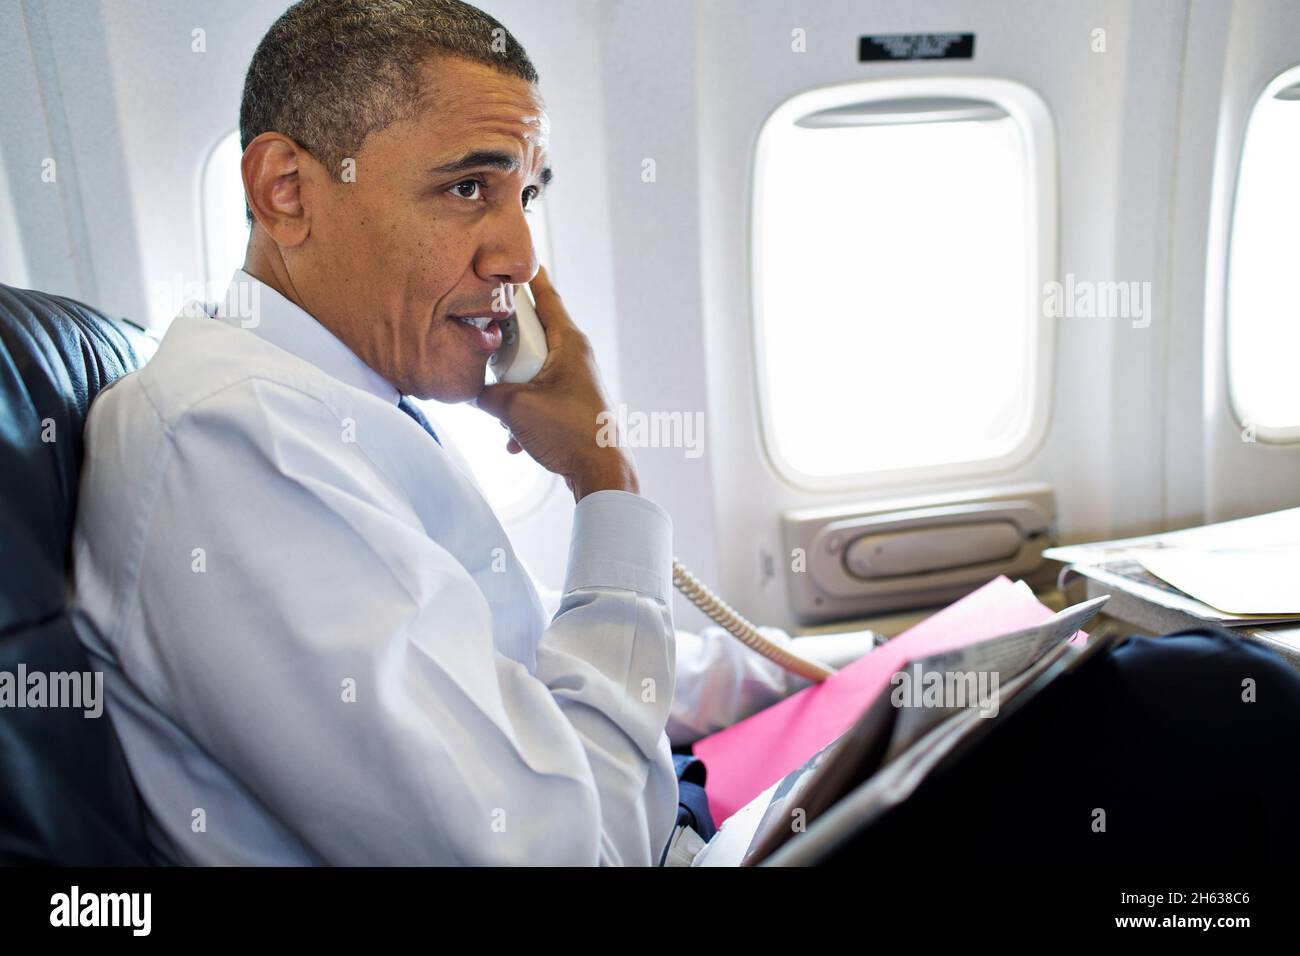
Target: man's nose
{"points": [[507, 253]]}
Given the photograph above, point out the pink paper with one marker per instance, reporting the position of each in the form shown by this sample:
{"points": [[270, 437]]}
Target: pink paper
{"points": [[748, 757]]}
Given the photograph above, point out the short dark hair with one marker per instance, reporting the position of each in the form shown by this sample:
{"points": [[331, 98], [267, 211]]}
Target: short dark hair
{"points": [[330, 72]]}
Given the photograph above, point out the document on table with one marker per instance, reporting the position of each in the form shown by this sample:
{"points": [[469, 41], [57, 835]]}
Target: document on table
{"points": [[1233, 573]]}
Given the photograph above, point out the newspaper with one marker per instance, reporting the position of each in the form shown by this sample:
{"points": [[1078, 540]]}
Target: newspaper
{"points": [[955, 687], [1001, 659], [900, 778]]}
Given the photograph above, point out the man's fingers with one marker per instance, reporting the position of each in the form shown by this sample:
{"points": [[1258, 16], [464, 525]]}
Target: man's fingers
{"points": [[550, 308], [541, 285], [494, 398]]}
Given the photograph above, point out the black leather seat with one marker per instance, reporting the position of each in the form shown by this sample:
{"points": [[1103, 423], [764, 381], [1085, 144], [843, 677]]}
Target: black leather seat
{"points": [[66, 796]]}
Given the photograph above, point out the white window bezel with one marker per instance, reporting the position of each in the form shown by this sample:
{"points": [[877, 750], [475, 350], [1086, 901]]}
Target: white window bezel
{"points": [[1269, 434], [1034, 121], [215, 284]]}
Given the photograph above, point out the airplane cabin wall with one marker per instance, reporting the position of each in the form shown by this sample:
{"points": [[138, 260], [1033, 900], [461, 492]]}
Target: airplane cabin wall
{"points": [[1234, 51], [1115, 115]]}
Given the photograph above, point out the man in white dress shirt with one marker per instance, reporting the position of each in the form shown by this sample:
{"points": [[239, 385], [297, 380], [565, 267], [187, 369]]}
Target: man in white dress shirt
{"points": [[319, 646]]}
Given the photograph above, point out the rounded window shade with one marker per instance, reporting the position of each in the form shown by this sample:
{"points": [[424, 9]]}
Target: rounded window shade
{"points": [[933, 109]]}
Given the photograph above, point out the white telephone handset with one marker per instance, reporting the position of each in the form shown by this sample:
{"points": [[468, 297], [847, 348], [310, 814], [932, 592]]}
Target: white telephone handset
{"points": [[523, 342], [520, 357]]}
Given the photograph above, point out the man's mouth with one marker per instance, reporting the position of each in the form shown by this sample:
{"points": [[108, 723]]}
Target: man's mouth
{"points": [[484, 331], [480, 322]]}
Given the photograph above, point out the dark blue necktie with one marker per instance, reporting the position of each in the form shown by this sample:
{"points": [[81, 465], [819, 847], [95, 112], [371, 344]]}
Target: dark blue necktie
{"points": [[408, 406]]}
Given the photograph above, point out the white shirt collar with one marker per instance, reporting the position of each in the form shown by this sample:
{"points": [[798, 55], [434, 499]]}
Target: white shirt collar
{"points": [[253, 305]]}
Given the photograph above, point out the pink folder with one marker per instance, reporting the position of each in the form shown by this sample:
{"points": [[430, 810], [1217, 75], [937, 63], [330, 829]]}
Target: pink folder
{"points": [[748, 757]]}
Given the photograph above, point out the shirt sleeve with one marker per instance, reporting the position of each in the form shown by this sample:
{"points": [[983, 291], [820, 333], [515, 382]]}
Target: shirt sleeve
{"points": [[304, 630], [720, 681]]}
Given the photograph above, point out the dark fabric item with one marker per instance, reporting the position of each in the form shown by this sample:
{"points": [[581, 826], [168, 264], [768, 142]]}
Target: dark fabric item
{"points": [[1155, 733], [408, 406], [66, 796], [692, 801]]}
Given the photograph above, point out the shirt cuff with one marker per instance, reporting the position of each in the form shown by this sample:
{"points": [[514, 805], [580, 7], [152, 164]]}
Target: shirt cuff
{"points": [[622, 541]]}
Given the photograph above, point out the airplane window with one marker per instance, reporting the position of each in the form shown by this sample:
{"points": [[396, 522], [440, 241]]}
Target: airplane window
{"points": [[894, 267], [225, 228], [514, 485], [1263, 328]]}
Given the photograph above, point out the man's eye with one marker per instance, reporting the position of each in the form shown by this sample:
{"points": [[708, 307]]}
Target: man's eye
{"points": [[468, 189], [530, 195]]}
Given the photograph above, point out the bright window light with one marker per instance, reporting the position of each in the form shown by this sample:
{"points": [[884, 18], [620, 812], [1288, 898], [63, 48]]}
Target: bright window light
{"points": [[1263, 333], [225, 230], [514, 485], [896, 251]]}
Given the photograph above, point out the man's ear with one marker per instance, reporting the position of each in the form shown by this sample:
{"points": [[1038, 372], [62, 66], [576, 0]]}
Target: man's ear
{"points": [[273, 166]]}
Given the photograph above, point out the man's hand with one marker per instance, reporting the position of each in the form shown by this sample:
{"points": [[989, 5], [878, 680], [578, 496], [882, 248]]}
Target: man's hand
{"points": [[555, 416]]}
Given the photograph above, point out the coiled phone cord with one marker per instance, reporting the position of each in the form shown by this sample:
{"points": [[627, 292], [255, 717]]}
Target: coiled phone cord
{"points": [[732, 622]]}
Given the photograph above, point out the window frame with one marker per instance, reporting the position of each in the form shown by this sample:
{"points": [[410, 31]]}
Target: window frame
{"points": [[1285, 435], [1038, 137], [216, 284]]}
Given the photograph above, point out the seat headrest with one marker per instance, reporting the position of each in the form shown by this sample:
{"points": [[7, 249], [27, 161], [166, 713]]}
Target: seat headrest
{"points": [[56, 355]]}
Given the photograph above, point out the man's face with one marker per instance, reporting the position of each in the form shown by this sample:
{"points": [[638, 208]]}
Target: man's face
{"points": [[430, 229]]}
